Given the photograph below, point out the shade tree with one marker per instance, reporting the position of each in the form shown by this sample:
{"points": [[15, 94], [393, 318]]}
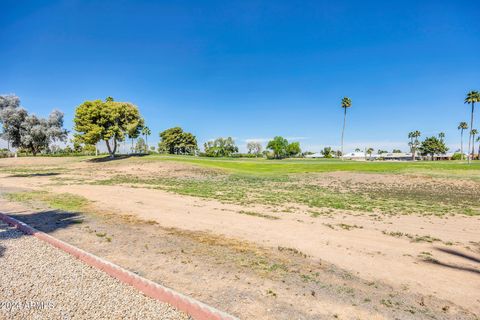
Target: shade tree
{"points": [[432, 146], [220, 147], [176, 141], [293, 149], [328, 152], [107, 121]]}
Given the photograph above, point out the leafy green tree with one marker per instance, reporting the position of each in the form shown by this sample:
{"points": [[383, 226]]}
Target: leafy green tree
{"points": [[346, 103], [471, 98], [176, 141], [433, 145], [109, 121], [278, 146], [380, 151], [369, 152], [396, 151], [254, 147], [462, 126], [357, 150], [327, 152], [220, 147], [414, 143], [293, 149]]}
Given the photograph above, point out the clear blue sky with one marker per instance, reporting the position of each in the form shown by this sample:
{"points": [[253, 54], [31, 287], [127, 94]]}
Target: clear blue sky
{"points": [[251, 69]]}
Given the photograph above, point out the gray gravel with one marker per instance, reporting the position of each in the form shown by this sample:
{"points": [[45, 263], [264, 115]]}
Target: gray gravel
{"points": [[38, 281]]}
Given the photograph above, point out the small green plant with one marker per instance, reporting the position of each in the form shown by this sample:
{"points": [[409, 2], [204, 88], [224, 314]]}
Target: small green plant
{"points": [[272, 293]]}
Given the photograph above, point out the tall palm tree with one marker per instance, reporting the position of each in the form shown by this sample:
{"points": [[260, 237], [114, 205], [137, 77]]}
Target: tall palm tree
{"points": [[413, 136], [473, 133], [462, 126], [472, 97], [146, 132], [346, 103]]}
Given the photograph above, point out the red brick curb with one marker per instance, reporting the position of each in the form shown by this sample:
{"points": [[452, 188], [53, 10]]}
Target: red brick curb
{"points": [[196, 309]]}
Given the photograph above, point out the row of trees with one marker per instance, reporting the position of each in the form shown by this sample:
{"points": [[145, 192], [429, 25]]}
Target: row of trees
{"points": [[471, 98], [433, 145], [26, 131], [436, 145], [113, 122]]}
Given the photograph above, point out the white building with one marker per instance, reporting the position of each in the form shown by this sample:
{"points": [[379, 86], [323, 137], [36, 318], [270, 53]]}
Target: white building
{"points": [[315, 155], [354, 156]]}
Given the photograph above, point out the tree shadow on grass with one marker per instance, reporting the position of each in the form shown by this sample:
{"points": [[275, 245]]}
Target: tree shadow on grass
{"points": [[118, 157], [29, 175]]}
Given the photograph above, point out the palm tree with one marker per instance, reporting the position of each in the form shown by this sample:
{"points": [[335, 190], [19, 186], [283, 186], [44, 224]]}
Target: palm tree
{"points": [[346, 103], [413, 136], [472, 97], [369, 152], [146, 132], [473, 133], [441, 136], [462, 126]]}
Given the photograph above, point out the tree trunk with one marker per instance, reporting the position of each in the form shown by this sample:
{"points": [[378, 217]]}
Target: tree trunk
{"points": [[473, 146], [478, 154], [112, 155], [461, 144], [412, 149], [343, 130], [470, 136]]}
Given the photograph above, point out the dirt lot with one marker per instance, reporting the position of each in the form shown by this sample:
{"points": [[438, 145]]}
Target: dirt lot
{"points": [[322, 245]]}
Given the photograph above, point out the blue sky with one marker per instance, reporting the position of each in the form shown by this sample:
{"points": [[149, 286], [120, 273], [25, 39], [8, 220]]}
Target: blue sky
{"points": [[252, 69]]}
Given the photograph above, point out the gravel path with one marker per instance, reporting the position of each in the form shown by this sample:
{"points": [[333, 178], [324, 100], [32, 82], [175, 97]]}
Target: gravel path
{"points": [[38, 281]]}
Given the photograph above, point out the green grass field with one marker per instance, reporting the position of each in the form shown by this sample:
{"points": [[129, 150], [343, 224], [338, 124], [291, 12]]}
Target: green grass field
{"points": [[264, 166], [292, 182]]}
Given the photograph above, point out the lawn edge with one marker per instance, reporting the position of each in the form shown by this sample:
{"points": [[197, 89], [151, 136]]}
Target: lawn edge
{"points": [[194, 308]]}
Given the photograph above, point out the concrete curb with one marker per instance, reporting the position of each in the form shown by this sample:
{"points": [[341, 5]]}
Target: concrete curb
{"points": [[196, 309]]}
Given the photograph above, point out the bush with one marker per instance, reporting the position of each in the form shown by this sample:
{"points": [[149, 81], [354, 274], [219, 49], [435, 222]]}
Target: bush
{"points": [[457, 156]]}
